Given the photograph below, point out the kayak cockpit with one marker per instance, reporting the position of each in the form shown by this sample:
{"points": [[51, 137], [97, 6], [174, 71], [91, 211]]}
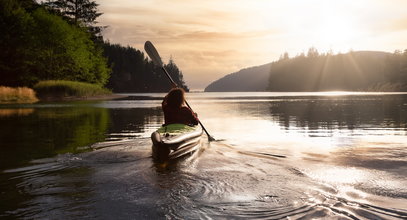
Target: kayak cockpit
{"points": [[175, 140]]}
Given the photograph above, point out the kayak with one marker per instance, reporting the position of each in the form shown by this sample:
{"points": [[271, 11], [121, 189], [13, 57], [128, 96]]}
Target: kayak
{"points": [[175, 140]]}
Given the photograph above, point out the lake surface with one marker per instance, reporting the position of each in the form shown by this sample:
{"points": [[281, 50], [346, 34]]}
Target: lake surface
{"points": [[278, 155]]}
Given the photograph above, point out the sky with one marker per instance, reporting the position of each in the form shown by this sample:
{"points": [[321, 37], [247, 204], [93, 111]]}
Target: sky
{"points": [[209, 39]]}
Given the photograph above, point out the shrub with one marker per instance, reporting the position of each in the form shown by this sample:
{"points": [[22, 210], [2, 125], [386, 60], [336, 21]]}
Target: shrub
{"points": [[63, 88], [17, 95]]}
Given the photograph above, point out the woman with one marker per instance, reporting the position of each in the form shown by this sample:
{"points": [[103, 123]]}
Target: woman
{"points": [[175, 111]]}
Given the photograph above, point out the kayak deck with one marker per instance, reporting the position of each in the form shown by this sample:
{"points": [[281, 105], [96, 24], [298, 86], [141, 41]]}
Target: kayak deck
{"points": [[175, 140]]}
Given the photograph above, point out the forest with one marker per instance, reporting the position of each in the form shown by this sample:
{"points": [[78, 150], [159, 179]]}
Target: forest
{"points": [[314, 71], [353, 71], [61, 40], [133, 72]]}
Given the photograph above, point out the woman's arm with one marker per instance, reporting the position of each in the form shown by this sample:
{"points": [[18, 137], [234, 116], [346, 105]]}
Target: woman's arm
{"points": [[164, 102], [193, 117]]}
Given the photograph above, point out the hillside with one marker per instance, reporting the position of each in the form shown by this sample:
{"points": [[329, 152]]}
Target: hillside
{"points": [[353, 71], [245, 80]]}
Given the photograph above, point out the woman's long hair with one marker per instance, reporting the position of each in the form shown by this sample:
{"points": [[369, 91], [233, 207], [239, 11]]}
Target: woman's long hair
{"points": [[176, 98]]}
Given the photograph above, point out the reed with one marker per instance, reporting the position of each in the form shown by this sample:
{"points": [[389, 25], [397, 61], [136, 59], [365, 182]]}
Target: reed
{"points": [[17, 95], [66, 89]]}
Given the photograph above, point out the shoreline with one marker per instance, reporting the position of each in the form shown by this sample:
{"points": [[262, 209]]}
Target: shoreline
{"points": [[128, 96], [69, 98], [81, 98]]}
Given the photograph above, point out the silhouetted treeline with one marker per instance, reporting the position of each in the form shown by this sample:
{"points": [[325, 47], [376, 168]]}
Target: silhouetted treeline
{"points": [[133, 72], [37, 44], [353, 71]]}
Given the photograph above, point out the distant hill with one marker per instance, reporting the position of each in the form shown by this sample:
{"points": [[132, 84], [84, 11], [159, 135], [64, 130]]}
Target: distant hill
{"points": [[353, 71], [245, 80]]}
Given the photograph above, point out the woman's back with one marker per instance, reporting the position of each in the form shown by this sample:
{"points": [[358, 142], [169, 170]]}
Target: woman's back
{"points": [[182, 115], [175, 112]]}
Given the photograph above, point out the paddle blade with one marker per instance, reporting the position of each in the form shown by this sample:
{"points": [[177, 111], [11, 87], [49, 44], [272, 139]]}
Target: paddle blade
{"points": [[153, 53]]}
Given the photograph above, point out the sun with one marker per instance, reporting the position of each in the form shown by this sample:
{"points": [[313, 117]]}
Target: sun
{"points": [[335, 28], [336, 32], [325, 25]]}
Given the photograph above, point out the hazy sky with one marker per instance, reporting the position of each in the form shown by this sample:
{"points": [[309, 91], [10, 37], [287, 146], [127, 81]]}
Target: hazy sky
{"points": [[211, 38]]}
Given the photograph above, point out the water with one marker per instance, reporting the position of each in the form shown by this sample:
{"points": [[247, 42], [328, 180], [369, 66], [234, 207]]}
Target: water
{"points": [[279, 155]]}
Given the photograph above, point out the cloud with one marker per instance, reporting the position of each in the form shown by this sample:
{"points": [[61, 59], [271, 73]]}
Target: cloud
{"points": [[209, 39], [394, 25]]}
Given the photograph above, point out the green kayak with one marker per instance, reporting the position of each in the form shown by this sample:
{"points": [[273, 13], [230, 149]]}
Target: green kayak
{"points": [[175, 140]]}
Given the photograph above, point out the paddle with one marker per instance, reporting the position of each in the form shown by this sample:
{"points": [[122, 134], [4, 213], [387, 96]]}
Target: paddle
{"points": [[155, 57]]}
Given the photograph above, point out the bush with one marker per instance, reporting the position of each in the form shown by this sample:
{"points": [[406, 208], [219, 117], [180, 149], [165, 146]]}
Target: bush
{"points": [[17, 95], [36, 45], [63, 88]]}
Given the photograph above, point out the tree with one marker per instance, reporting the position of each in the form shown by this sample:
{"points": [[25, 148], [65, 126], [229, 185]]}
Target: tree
{"points": [[312, 52], [63, 51], [81, 12], [133, 72], [176, 74], [284, 56], [15, 24], [38, 45]]}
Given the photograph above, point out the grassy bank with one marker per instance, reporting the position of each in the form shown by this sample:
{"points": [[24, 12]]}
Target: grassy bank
{"points": [[61, 89], [17, 95]]}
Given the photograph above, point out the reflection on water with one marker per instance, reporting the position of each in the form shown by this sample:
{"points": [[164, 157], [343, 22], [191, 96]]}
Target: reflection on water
{"points": [[342, 113], [26, 134], [19, 111], [302, 155], [49, 131]]}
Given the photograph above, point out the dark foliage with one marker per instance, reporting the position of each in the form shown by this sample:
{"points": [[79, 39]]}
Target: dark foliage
{"points": [[36, 45], [80, 12], [133, 72]]}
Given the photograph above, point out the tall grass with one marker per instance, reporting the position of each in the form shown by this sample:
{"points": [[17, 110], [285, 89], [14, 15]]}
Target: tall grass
{"points": [[17, 95], [63, 88]]}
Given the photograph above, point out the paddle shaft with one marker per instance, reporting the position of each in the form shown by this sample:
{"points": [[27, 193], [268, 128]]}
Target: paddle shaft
{"points": [[172, 81]]}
